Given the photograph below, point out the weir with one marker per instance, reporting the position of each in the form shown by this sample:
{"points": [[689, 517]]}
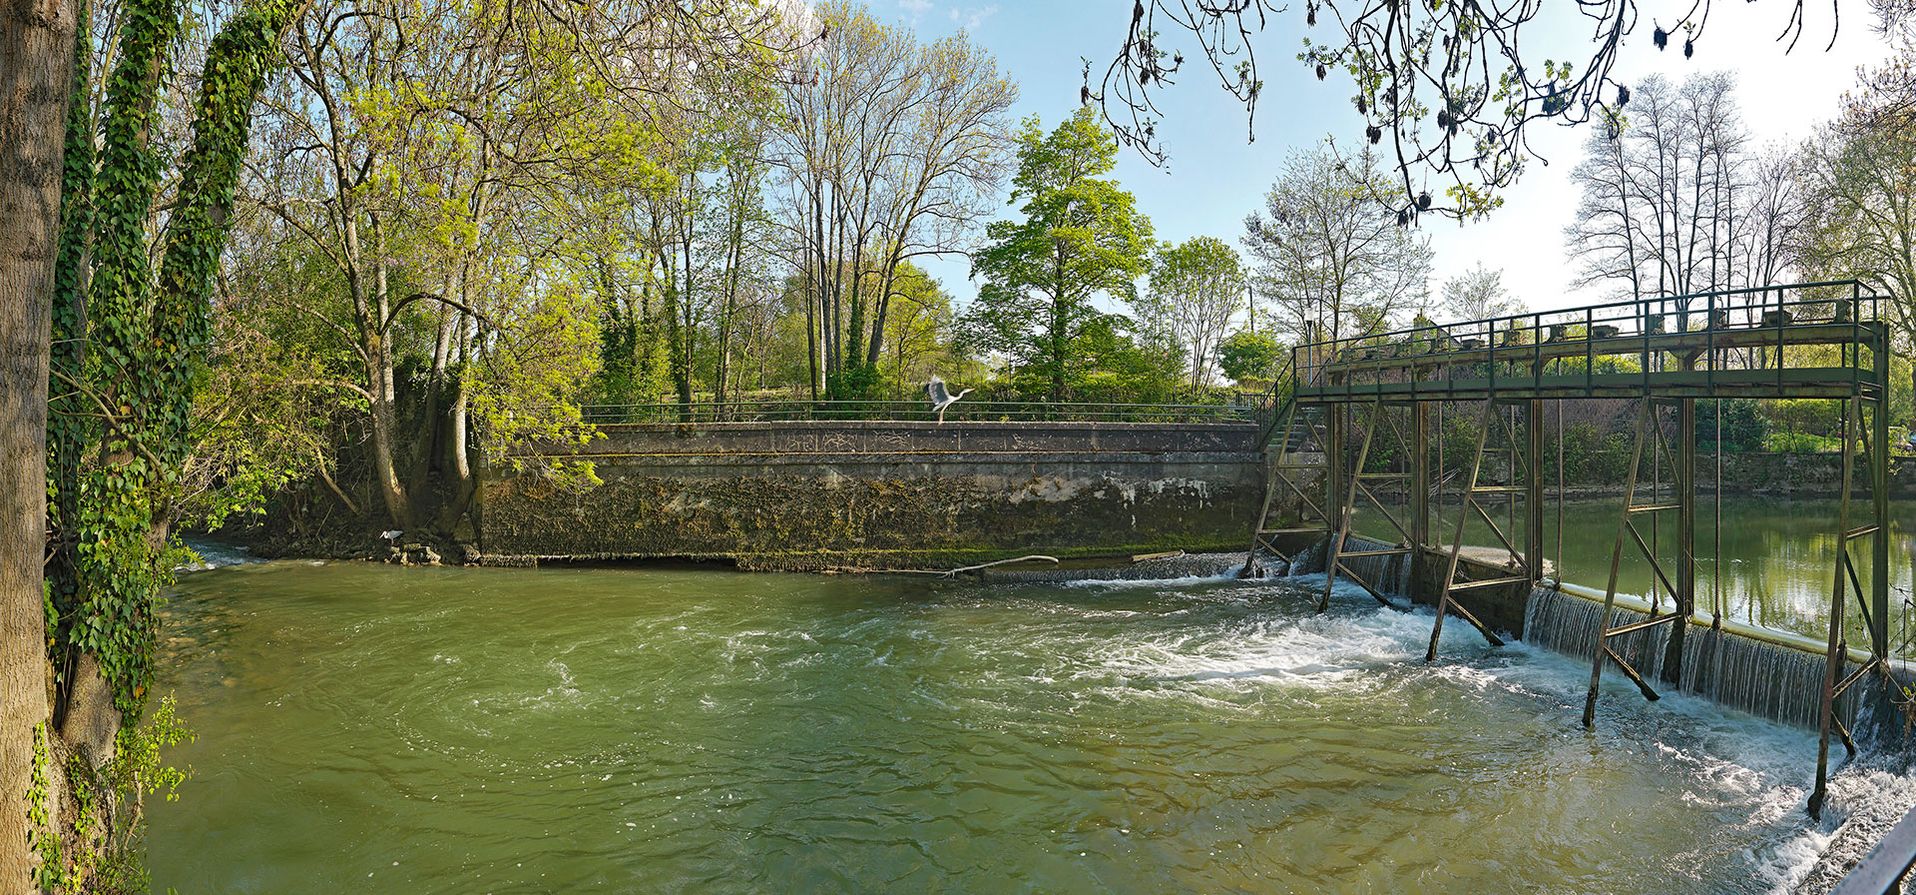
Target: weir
{"points": [[1352, 443]]}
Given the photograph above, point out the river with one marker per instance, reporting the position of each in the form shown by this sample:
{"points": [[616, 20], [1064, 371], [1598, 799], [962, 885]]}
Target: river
{"points": [[369, 728], [1780, 564]]}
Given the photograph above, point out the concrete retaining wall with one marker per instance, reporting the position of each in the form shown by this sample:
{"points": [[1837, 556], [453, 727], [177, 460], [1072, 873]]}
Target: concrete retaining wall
{"points": [[885, 494]]}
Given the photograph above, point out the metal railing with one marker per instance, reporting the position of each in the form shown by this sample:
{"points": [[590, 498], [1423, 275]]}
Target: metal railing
{"points": [[1887, 865], [1253, 409], [1730, 334]]}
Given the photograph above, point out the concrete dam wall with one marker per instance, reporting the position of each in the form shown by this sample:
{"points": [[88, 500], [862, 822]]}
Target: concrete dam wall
{"points": [[821, 494]]}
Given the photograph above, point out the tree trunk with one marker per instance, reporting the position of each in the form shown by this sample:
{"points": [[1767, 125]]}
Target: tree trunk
{"points": [[385, 425], [36, 70]]}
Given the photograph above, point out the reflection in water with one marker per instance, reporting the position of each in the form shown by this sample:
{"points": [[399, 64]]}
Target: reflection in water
{"points": [[1779, 561], [1779, 566], [365, 728]]}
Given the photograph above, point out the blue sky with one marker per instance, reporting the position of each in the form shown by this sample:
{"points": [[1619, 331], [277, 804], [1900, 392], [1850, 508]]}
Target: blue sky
{"points": [[1215, 177]]}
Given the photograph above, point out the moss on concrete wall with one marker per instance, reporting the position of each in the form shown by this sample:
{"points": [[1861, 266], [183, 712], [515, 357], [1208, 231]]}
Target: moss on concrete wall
{"points": [[816, 495]]}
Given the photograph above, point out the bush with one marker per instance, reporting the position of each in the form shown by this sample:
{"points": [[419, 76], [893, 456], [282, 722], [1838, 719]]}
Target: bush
{"points": [[1744, 427], [1801, 443], [1246, 355]]}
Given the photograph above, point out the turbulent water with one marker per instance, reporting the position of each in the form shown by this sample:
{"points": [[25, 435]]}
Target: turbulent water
{"points": [[366, 728]]}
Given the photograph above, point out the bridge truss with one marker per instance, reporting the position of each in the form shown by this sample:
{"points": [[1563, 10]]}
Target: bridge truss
{"points": [[1381, 392]]}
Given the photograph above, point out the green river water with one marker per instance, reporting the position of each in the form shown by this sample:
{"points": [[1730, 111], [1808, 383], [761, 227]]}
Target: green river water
{"points": [[366, 728], [1779, 558]]}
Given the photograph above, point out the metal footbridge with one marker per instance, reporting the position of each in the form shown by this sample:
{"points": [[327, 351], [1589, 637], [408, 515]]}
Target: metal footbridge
{"points": [[1355, 416]]}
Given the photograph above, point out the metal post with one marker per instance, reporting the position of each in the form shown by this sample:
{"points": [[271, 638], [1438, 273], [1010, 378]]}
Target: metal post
{"points": [[1602, 650], [1334, 420], [1833, 669], [1879, 509], [1533, 490], [1419, 489], [1685, 538]]}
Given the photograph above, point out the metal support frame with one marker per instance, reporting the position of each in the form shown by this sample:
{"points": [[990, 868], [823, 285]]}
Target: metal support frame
{"points": [[1296, 431], [1751, 343], [1358, 479], [1472, 491], [1875, 604], [1649, 438]]}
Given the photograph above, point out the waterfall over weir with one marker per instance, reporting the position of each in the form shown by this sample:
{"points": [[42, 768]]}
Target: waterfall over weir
{"points": [[1762, 678]]}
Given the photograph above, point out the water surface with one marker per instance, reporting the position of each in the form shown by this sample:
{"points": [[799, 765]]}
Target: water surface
{"points": [[367, 728], [1778, 567]]}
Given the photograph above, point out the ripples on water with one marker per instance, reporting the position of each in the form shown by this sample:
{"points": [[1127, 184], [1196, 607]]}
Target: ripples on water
{"points": [[365, 728]]}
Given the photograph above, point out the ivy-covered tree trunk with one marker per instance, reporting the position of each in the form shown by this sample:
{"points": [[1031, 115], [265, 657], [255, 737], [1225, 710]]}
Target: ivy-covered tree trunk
{"points": [[146, 334], [36, 58]]}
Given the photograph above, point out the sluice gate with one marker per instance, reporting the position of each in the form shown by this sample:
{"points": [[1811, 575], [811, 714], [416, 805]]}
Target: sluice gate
{"points": [[1352, 436]]}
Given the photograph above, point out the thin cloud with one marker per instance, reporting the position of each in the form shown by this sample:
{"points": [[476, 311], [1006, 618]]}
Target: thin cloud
{"points": [[970, 17]]}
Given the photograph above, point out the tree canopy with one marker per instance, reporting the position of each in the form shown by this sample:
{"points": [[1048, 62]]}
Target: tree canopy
{"points": [[1080, 237]]}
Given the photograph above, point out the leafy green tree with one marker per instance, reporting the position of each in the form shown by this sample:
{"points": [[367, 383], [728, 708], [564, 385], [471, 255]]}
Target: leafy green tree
{"points": [[1081, 237], [1860, 176], [918, 330], [1197, 289], [1246, 356], [1744, 426]]}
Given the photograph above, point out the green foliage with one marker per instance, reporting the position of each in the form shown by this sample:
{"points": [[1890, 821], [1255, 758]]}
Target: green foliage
{"points": [[1591, 455], [1744, 426], [530, 390], [1081, 236], [856, 382], [1249, 356], [918, 337], [1121, 369], [1804, 416], [71, 424], [145, 335], [139, 767], [1801, 443], [50, 874]]}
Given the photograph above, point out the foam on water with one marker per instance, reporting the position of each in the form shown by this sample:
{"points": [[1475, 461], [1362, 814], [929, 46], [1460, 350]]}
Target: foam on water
{"points": [[214, 555], [947, 734], [1753, 766]]}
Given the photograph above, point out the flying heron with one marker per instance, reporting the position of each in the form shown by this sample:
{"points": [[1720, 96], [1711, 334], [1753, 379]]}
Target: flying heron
{"points": [[942, 397]]}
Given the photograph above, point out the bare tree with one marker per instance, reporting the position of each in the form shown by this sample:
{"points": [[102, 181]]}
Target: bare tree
{"points": [[1329, 262], [1478, 293], [1674, 203], [891, 151], [1197, 289]]}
